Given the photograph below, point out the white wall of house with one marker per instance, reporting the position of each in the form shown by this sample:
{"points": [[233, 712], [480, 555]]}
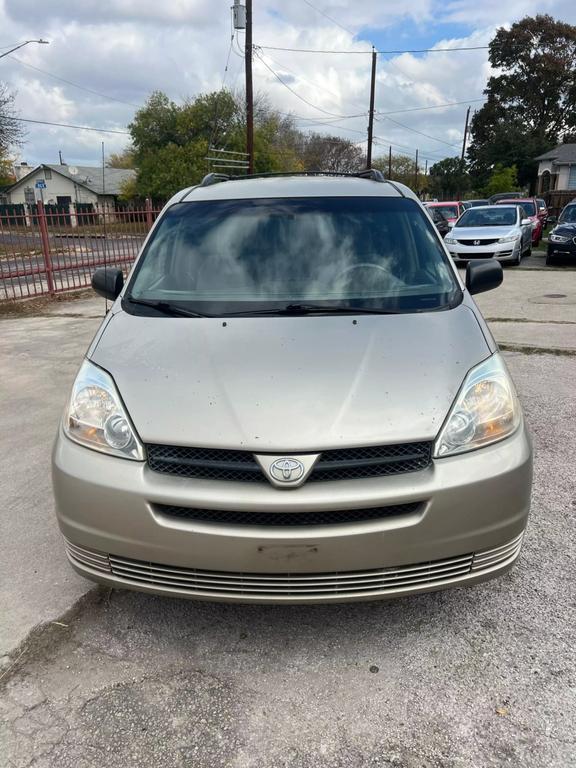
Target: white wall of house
{"points": [[545, 165], [56, 186], [564, 180]]}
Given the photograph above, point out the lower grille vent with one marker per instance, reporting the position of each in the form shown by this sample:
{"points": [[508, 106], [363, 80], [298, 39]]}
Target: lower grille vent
{"points": [[326, 517]]}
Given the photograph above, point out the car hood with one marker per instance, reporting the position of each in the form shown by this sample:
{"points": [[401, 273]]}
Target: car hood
{"points": [[567, 230], [293, 384], [483, 233]]}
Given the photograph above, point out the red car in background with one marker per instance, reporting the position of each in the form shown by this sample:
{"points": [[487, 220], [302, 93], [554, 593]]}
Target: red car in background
{"points": [[450, 210], [532, 210], [542, 211]]}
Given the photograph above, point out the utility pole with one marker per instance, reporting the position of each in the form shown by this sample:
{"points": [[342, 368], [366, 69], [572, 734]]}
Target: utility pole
{"points": [[249, 89], [371, 113], [465, 135], [416, 173], [390, 162]]}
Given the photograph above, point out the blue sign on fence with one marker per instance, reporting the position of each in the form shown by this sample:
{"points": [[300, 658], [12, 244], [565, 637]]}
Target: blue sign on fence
{"points": [[40, 184]]}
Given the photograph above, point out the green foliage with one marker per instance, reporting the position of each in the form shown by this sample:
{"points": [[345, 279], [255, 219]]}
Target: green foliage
{"points": [[170, 143], [449, 178], [124, 159], [502, 179], [403, 168], [531, 104], [6, 172]]}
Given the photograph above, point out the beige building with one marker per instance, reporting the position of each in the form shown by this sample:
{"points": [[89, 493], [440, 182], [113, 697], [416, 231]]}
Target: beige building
{"points": [[557, 169]]}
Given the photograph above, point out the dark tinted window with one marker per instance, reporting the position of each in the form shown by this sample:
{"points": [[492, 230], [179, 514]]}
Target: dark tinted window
{"points": [[568, 215], [494, 216], [448, 211], [236, 255]]}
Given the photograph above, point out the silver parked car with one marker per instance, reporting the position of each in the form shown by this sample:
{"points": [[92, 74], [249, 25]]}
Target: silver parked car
{"points": [[491, 232], [294, 398]]}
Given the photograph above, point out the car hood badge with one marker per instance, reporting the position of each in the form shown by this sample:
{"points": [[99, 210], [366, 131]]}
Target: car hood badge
{"points": [[287, 471]]}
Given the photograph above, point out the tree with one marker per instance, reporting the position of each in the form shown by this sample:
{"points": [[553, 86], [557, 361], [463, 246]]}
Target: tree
{"points": [[449, 178], [124, 159], [11, 133], [403, 168], [502, 179], [532, 102], [6, 171], [331, 153]]}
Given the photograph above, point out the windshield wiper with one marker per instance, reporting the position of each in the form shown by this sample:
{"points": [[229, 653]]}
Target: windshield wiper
{"points": [[165, 307], [312, 309]]}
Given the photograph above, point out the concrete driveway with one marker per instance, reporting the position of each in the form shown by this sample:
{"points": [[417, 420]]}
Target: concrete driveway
{"points": [[477, 677]]}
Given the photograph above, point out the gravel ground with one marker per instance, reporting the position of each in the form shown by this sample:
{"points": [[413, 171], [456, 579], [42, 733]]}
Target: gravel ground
{"points": [[471, 678]]}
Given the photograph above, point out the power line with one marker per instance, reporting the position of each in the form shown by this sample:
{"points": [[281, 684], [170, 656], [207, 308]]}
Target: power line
{"points": [[315, 85], [365, 53], [67, 125], [437, 106], [420, 133], [326, 16], [310, 104], [74, 85]]}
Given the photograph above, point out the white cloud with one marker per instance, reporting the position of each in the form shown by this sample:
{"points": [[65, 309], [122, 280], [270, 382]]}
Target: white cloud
{"points": [[127, 48]]}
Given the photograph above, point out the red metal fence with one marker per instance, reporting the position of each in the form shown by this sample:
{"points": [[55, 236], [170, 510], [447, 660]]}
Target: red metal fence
{"points": [[44, 251]]}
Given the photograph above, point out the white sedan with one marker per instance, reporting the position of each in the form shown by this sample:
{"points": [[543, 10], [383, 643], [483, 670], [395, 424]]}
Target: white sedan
{"points": [[492, 231]]}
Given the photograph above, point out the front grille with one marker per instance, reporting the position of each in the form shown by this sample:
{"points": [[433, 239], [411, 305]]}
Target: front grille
{"points": [[194, 582], [473, 255], [481, 242], [205, 463], [317, 517], [373, 461], [338, 464]]}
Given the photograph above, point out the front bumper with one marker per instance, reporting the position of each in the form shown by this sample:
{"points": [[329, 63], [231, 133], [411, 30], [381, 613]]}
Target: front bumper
{"points": [[468, 529], [562, 250], [503, 252]]}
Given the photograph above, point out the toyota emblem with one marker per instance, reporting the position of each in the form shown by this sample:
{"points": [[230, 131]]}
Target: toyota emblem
{"points": [[287, 470]]}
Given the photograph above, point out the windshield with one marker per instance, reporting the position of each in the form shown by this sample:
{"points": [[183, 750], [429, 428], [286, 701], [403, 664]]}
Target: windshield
{"points": [[494, 216], [530, 208], [228, 256], [448, 211], [568, 215]]}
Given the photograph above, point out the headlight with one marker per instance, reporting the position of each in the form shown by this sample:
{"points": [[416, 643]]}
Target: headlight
{"points": [[559, 238], [96, 418], [486, 410], [450, 240], [509, 239]]}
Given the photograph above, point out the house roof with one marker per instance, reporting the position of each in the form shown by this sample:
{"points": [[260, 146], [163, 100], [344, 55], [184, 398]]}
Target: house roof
{"points": [[88, 176], [563, 153]]}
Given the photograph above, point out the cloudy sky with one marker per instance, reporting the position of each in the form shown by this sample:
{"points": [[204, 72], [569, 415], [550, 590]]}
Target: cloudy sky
{"points": [[121, 50]]}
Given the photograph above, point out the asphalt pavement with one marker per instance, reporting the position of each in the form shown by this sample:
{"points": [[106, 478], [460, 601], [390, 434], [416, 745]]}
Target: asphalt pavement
{"points": [[475, 677]]}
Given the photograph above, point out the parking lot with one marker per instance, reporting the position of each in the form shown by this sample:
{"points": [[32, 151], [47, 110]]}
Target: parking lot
{"points": [[468, 678]]}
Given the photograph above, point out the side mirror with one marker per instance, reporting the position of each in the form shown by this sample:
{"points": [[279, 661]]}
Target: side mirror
{"points": [[525, 222], [551, 220], [483, 275], [108, 283]]}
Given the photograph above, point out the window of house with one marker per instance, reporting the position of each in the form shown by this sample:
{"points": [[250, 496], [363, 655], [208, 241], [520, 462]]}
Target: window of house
{"points": [[48, 174], [572, 177]]}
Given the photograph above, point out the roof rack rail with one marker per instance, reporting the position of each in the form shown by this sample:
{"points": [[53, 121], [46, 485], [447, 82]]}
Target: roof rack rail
{"points": [[213, 178], [372, 174]]}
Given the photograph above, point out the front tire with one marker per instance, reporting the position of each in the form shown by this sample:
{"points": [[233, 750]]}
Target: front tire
{"points": [[549, 260]]}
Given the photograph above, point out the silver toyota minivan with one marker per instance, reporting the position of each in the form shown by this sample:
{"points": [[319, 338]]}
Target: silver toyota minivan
{"points": [[294, 398]]}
